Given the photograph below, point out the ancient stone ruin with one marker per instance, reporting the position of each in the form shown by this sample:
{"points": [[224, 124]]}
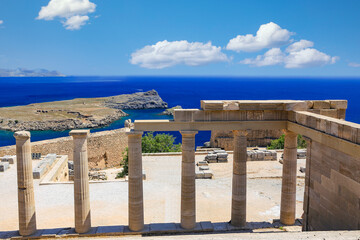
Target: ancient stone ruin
{"points": [[332, 181]]}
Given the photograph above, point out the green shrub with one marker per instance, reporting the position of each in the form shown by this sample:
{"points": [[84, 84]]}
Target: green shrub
{"points": [[125, 164], [279, 143], [159, 143]]}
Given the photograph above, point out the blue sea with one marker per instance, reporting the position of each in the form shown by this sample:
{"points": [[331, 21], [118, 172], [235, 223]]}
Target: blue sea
{"points": [[184, 91]]}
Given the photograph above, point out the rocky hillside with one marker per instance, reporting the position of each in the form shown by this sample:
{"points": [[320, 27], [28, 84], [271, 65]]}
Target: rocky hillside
{"points": [[76, 113]]}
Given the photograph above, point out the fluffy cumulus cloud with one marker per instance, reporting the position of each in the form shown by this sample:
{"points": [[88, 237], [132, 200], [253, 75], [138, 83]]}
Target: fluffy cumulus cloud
{"points": [[74, 12], [298, 55], [268, 36], [166, 54]]}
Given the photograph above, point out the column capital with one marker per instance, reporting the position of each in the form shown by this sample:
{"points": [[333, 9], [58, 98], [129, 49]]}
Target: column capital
{"points": [[79, 133], [288, 132], [189, 132], [241, 133], [22, 135], [134, 133]]}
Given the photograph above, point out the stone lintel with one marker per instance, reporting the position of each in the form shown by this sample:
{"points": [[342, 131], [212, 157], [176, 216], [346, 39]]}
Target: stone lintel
{"points": [[22, 135], [81, 133], [286, 105]]}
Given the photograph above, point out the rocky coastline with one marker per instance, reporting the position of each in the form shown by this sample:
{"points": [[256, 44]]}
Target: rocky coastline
{"points": [[76, 113]]}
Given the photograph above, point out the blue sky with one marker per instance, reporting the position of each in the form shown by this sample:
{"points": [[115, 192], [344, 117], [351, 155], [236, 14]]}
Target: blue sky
{"points": [[187, 37]]}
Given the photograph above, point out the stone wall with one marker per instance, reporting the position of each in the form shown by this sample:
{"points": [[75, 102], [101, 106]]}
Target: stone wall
{"points": [[332, 195], [104, 148]]}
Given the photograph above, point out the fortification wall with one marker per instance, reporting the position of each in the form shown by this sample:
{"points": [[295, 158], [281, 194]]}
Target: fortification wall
{"points": [[332, 195], [104, 148]]}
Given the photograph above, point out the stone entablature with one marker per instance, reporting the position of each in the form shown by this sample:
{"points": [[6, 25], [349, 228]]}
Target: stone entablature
{"points": [[257, 110]]}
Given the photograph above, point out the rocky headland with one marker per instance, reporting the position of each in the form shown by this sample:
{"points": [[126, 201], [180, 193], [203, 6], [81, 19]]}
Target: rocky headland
{"points": [[76, 113], [170, 111]]}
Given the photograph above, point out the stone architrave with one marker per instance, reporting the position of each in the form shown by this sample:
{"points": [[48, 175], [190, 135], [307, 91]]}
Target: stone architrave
{"points": [[238, 204], [288, 189], [81, 181], [188, 204], [136, 201], [26, 200]]}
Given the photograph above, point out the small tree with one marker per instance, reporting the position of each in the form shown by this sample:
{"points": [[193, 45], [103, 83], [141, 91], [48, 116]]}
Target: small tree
{"points": [[125, 164], [280, 142], [159, 143]]}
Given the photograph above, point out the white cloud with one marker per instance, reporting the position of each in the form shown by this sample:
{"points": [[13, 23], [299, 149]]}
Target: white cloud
{"points": [[308, 57], [166, 54], [75, 22], [354, 64], [1, 22], [74, 11], [300, 45], [299, 55], [273, 56], [268, 36]]}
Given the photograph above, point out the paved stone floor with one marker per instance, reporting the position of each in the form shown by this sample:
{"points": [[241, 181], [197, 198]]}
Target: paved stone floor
{"points": [[54, 203]]}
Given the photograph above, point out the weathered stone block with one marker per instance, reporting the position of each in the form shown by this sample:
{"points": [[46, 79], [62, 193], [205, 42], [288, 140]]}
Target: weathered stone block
{"points": [[199, 174], [338, 104], [329, 112], [204, 168], [321, 104], [4, 166], [212, 105], [348, 132], [341, 113], [202, 163], [231, 105], [334, 128], [260, 155], [208, 173], [8, 158], [309, 104]]}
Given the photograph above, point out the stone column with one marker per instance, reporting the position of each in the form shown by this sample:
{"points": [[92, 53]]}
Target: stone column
{"points": [[188, 203], [238, 204], [288, 189], [81, 181], [136, 201], [26, 201]]}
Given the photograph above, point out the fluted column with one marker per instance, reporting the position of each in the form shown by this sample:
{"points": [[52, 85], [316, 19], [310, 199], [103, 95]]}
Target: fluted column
{"points": [[288, 189], [81, 181], [26, 200], [238, 204], [136, 201], [188, 200]]}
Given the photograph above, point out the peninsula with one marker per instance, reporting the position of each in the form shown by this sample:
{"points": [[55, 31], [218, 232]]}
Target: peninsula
{"points": [[76, 113]]}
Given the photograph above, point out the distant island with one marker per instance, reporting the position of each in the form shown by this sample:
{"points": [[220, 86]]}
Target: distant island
{"points": [[76, 113], [22, 72]]}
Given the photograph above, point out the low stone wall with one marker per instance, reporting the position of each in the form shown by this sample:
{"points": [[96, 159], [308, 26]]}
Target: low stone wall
{"points": [[104, 148]]}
